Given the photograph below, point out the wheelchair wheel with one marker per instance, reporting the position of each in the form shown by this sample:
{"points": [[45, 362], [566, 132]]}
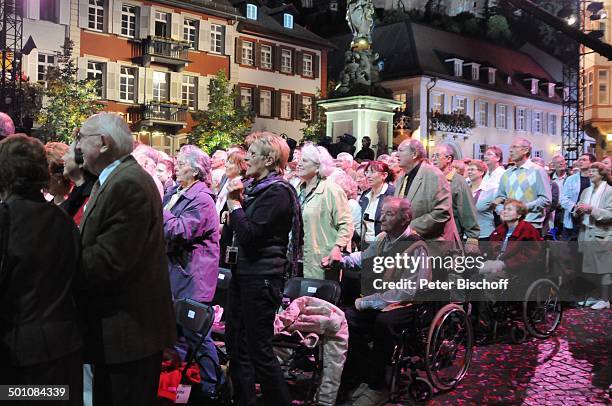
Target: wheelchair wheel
{"points": [[420, 389], [449, 347], [542, 308]]}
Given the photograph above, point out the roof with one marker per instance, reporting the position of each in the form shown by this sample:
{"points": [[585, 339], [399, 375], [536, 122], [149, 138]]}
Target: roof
{"points": [[266, 25], [411, 49], [220, 8]]}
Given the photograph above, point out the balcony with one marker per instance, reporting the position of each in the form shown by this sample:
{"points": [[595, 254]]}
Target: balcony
{"points": [[170, 117], [165, 51]]}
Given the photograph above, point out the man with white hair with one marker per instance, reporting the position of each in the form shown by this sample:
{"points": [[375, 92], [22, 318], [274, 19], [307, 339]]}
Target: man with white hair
{"points": [[7, 127], [123, 291]]}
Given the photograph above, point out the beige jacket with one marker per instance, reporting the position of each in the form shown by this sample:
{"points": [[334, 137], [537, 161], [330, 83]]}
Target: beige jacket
{"points": [[595, 239], [327, 222]]}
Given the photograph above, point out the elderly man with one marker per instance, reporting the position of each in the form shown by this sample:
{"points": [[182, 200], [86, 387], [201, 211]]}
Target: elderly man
{"points": [[493, 157], [429, 193], [526, 182], [464, 210], [7, 127], [572, 188], [378, 314], [124, 292]]}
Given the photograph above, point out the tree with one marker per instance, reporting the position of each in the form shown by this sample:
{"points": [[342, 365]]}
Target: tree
{"points": [[498, 29], [224, 123], [69, 101], [316, 125]]}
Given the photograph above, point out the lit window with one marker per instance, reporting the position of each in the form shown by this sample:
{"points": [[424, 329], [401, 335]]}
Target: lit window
{"points": [[160, 86], [400, 97], [437, 103], [286, 65], [190, 32], [127, 85], [95, 15], [589, 100], [603, 87], [216, 38], [307, 65], [285, 104], [246, 97], [460, 105], [95, 71], [266, 56], [265, 103], [251, 12], [45, 61], [248, 53], [128, 20], [288, 20], [188, 91], [306, 108]]}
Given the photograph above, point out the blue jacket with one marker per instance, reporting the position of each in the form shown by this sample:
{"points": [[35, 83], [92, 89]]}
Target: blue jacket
{"points": [[191, 230], [364, 201]]}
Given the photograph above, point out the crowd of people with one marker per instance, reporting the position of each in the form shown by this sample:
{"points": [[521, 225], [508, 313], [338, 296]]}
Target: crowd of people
{"points": [[100, 236]]}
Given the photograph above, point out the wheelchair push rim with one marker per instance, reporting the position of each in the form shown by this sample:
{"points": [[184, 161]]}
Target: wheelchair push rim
{"points": [[542, 309], [449, 347]]}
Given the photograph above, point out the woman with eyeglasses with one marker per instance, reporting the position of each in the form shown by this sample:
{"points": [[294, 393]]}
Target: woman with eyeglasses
{"points": [[380, 178]]}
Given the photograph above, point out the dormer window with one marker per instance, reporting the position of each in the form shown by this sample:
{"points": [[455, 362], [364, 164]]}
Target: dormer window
{"points": [[475, 70], [509, 80], [288, 20], [491, 75], [551, 89], [251, 11], [457, 66], [533, 85]]}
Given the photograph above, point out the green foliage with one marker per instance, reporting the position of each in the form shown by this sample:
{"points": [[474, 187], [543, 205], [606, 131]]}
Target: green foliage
{"points": [[498, 29], [316, 127], [224, 123], [455, 122], [69, 101]]}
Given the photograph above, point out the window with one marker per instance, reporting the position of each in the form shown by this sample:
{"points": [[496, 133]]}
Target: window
{"points": [[437, 103], [537, 153], [482, 108], [491, 76], [286, 61], [95, 71], [265, 103], [160, 86], [534, 86], [501, 116], [458, 67], [475, 72], [188, 91], [287, 20], [251, 11], [460, 105], [95, 15], [190, 32], [552, 124], [589, 100], [602, 77], [246, 97], [479, 151], [537, 122], [248, 52], [45, 61], [285, 104], [400, 97], [266, 56], [551, 89], [127, 84], [128, 20], [161, 24], [216, 38], [306, 108], [307, 65], [521, 119], [49, 10]]}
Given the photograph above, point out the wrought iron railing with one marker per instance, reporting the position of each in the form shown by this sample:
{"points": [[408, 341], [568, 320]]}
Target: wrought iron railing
{"points": [[165, 47], [165, 112]]}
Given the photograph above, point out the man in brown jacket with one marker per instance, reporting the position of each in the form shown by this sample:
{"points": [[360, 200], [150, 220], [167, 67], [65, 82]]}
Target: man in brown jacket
{"points": [[124, 298]]}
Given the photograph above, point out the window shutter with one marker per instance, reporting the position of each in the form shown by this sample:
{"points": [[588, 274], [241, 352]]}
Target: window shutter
{"points": [[112, 81], [545, 123], [116, 17], [64, 12], [176, 26], [516, 118], [276, 107], [528, 123], [148, 85], [203, 83], [497, 116], [509, 120], [469, 107], [299, 63], [256, 102], [276, 58], [83, 10], [176, 83], [476, 152], [146, 15], [204, 36], [293, 61], [453, 104], [257, 54], [238, 50], [298, 107], [227, 40], [141, 85], [82, 68], [315, 66], [237, 99]]}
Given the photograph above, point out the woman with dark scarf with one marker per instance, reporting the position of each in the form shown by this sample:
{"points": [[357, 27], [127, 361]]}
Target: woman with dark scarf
{"points": [[264, 212]]}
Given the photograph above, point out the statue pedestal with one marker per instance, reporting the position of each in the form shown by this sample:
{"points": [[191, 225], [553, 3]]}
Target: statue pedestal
{"points": [[361, 116]]}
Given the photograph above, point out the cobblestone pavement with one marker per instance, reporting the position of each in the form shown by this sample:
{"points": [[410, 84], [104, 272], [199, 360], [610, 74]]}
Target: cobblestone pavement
{"points": [[571, 368]]}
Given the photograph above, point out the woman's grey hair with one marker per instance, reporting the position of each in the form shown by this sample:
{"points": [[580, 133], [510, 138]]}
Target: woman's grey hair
{"points": [[347, 184], [114, 126], [199, 161], [320, 157]]}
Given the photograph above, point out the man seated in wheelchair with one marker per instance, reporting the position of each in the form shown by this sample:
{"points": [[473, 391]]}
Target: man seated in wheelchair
{"points": [[515, 252], [385, 306]]}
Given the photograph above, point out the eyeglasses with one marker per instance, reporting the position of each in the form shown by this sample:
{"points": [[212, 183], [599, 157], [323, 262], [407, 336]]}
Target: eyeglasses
{"points": [[251, 154], [439, 155], [80, 136]]}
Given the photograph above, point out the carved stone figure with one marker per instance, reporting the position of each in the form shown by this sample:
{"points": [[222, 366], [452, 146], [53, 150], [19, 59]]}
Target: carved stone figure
{"points": [[360, 18]]}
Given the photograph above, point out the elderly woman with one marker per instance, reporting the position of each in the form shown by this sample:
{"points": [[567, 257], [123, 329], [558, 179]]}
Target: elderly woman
{"points": [[59, 185], [235, 167], [483, 198], [380, 179], [191, 229], [594, 211], [328, 224], [39, 258]]}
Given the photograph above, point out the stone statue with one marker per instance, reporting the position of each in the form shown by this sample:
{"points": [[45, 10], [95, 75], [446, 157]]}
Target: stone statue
{"points": [[360, 18]]}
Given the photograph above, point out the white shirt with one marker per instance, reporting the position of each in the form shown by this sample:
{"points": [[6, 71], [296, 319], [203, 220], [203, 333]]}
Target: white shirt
{"points": [[490, 181], [370, 234]]}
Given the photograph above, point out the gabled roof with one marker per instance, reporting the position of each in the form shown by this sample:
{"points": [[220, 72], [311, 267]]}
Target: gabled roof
{"points": [[411, 49], [220, 8], [268, 26]]}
